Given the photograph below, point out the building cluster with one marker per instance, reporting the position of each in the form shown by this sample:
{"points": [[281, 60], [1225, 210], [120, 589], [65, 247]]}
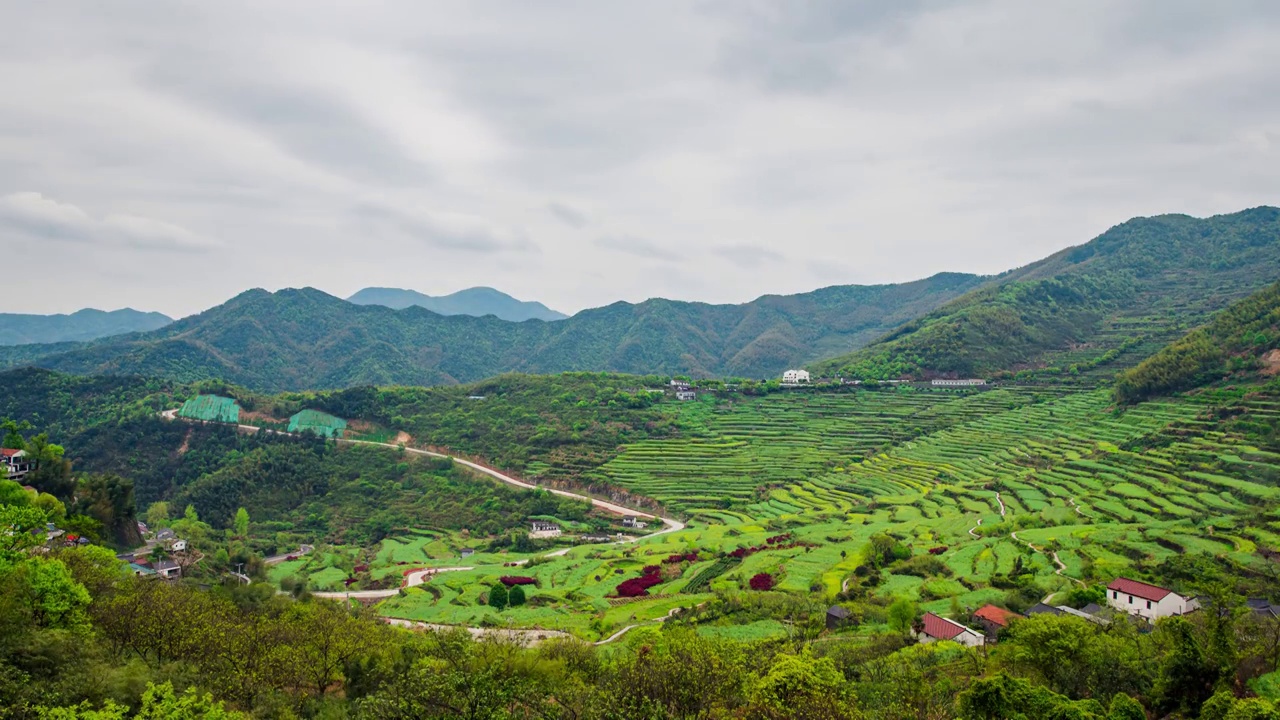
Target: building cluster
{"points": [[542, 530], [145, 563]]}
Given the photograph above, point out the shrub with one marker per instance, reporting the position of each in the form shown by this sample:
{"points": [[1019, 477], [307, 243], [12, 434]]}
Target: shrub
{"points": [[512, 580], [636, 587], [516, 598], [762, 581]]}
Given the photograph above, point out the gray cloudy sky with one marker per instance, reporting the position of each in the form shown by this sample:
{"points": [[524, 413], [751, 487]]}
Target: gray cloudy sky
{"points": [[168, 155]]}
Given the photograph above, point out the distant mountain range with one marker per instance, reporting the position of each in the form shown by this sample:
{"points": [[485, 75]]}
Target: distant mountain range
{"points": [[1093, 308], [476, 301], [302, 339], [77, 327], [1129, 291]]}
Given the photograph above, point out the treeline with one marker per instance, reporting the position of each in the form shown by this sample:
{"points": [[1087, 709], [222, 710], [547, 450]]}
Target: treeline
{"points": [[1235, 340], [79, 633]]}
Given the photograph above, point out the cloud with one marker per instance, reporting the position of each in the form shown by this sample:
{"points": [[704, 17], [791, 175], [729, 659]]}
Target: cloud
{"points": [[339, 151], [45, 218], [748, 256], [450, 230], [569, 216], [639, 247]]}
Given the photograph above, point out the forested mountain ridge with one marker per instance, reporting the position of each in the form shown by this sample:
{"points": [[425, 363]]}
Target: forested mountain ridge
{"points": [[1241, 338], [1140, 283], [82, 325], [305, 339], [476, 301]]}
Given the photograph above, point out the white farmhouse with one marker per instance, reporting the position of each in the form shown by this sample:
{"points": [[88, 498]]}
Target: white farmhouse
{"points": [[542, 530], [969, 382], [795, 377], [1147, 601], [935, 627]]}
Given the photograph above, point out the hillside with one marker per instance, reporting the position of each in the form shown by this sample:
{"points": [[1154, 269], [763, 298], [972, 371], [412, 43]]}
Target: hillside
{"points": [[476, 301], [1116, 298], [1241, 338], [77, 327], [305, 339]]}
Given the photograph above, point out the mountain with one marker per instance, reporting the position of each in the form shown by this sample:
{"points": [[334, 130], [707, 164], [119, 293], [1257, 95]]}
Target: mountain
{"points": [[476, 301], [1108, 302], [1241, 339], [304, 339], [78, 326]]}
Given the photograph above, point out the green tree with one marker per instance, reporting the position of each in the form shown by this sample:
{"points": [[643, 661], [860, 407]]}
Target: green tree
{"points": [[515, 597], [1186, 678], [13, 434], [1124, 707], [241, 523], [498, 597], [903, 614], [158, 514]]}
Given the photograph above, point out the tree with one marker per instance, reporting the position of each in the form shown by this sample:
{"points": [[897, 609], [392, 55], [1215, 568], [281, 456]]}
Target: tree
{"points": [[902, 615], [158, 514], [515, 596], [13, 434], [1187, 678], [241, 523], [1124, 707], [498, 597]]}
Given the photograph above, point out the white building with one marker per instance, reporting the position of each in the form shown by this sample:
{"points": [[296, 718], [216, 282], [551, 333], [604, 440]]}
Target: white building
{"points": [[970, 382], [632, 521], [544, 530], [1147, 601], [935, 627], [686, 395], [178, 545], [795, 377], [14, 464]]}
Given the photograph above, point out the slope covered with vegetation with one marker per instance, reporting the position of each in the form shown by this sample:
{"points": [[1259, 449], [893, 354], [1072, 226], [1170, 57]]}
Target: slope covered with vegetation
{"points": [[1240, 338], [305, 339], [79, 326], [1139, 284]]}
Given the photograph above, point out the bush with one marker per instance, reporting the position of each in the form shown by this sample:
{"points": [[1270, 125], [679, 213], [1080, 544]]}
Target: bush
{"points": [[636, 587], [514, 580], [762, 581], [515, 598]]}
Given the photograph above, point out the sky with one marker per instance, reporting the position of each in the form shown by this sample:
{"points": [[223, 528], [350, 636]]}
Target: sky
{"points": [[167, 156]]}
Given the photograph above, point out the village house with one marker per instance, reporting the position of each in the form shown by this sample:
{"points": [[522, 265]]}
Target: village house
{"points": [[596, 538], [542, 530], [993, 619], [466, 552], [837, 617], [168, 569], [935, 627], [1147, 601], [178, 545], [15, 463], [141, 570], [795, 377], [631, 521], [970, 382], [686, 394]]}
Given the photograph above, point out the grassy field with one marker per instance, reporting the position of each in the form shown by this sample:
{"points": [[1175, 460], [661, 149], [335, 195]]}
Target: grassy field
{"points": [[1103, 488]]}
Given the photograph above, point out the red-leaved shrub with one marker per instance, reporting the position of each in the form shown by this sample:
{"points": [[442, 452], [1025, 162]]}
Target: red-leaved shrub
{"points": [[763, 581], [510, 580], [635, 587]]}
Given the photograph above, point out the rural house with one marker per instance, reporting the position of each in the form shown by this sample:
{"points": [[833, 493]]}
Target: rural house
{"points": [[993, 619], [686, 394], [544, 529], [1147, 601], [970, 382], [837, 617], [935, 627], [795, 377], [15, 463], [631, 521]]}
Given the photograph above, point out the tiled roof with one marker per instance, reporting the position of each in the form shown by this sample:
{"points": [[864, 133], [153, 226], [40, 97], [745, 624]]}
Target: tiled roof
{"points": [[9, 452], [1041, 608], [997, 615], [837, 611], [1139, 589], [942, 628]]}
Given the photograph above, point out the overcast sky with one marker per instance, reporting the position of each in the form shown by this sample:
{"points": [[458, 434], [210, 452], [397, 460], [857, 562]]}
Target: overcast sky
{"points": [[168, 155]]}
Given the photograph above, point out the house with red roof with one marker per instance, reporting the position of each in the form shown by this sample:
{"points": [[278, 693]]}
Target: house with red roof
{"points": [[14, 463], [935, 627], [993, 619], [1151, 602]]}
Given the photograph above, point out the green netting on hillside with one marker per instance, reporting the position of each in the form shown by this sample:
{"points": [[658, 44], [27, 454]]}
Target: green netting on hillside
{"points": [[212, 408], [320, 423]]}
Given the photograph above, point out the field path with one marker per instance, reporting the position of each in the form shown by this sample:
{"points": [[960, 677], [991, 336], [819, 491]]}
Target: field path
{"points": [[972, 530], [1061, 567], [1077, 507], [1002, 510]]}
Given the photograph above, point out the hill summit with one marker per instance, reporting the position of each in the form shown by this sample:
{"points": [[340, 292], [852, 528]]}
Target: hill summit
{"points": [[476, 301]]}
